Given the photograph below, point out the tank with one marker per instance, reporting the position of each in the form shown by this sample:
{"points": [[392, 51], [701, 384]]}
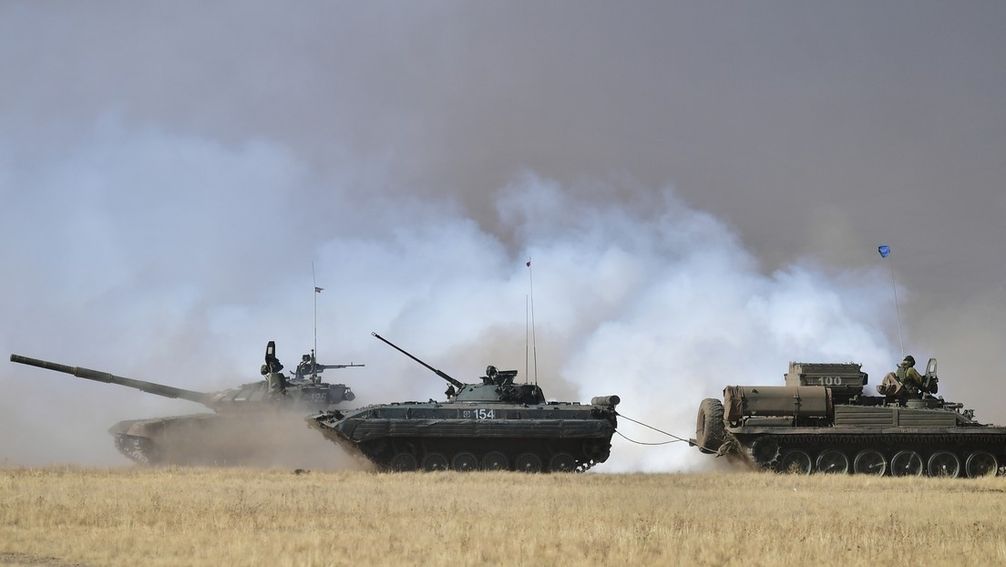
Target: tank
{"points": [[822, 421], [493, 424], [233, 434]]}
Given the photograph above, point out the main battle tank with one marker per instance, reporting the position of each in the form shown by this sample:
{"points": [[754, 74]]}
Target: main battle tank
{"points": [[231, 435], [821, 421], [492, 425]]}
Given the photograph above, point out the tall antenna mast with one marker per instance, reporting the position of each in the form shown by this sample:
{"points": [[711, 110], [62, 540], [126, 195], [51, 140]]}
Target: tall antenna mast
{"points": [[534, 341], [886, 251], [314, 351], [527, 339]]}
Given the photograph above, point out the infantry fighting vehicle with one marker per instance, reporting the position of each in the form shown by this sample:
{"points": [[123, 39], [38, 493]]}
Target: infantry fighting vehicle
{"points": [[495, 424], [822, 421], [235, 432]]}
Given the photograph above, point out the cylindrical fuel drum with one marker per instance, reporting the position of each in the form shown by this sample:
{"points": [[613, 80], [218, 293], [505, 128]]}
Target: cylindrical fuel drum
{"points": [[776, 401], [605, 401]]}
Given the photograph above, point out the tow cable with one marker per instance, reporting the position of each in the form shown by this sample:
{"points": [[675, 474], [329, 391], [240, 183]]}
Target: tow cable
{"points": [[674, 438]]}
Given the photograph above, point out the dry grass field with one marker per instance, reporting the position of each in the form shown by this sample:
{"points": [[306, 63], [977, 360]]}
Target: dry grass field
{"points": [[129, 517]]}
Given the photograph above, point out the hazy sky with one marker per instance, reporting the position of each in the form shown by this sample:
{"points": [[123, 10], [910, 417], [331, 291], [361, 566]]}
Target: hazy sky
{"points": [[703, 187]]}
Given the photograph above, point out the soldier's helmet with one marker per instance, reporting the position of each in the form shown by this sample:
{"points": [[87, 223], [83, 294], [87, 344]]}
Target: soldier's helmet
{"points": [[909, 361], [491, 371], [306, 358]]}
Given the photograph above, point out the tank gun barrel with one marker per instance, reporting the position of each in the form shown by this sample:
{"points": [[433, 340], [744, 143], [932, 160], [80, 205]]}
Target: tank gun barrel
{"points": [[98, 376], [457, 383]]}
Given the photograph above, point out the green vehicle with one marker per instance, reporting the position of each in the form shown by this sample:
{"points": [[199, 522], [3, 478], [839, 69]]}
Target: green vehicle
{"points": [[234, 432], [821, 421], [494, 424]]}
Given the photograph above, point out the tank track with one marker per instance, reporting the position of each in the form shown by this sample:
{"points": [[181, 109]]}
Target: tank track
{"points": [[140, 450], [546, 455], [764, 451]]}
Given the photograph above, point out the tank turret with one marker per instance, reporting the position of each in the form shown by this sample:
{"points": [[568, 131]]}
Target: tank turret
{"points": [[276, 390], [495, 386]]}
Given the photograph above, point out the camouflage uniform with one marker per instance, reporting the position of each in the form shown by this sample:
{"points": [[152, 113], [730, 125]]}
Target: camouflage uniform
{"points": [[305, 368], [274, 378], [905, 382], [911, 379]]}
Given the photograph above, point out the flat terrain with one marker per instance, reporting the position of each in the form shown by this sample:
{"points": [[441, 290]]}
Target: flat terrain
{"points": [[136, 516]]}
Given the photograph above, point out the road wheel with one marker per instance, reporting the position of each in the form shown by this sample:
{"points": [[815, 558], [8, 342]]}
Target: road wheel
{"points": [[765, 451], [906, 463], [795, 462], [597, 449], [495, 461], [562, 462], [709, 430], [434, 462], [403, 462], [140, 450], [981, 464], [528, 462], [464, 462], [832, 461], [945, 464], [869, 461]]}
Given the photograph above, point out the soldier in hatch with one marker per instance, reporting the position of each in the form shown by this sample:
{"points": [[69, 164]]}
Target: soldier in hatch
{"points": [[903, 383], [272, 371], [490, 378], [306, 367]]}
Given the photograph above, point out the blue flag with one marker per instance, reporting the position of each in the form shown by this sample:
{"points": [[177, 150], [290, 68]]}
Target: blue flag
{"points": [[884, 250]]}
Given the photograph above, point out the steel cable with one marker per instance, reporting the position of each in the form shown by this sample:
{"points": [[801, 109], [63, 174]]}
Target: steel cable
{"points": [[623, 436], [675, 438]]}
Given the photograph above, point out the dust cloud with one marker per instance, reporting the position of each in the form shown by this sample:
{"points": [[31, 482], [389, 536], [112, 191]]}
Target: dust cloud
{"points": [[266, 439]]}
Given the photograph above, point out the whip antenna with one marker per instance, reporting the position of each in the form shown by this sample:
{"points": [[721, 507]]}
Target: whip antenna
{"points": [[527, 339], [314, 351], [534, 342], [885, 252]]}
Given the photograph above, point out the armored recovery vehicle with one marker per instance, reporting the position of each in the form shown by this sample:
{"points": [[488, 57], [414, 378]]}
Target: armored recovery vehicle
{"points": [[495, 424], [822, 421], [247, 422]]}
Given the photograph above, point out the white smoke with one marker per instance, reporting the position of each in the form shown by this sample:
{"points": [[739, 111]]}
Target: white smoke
{"points": [[173, 258]]}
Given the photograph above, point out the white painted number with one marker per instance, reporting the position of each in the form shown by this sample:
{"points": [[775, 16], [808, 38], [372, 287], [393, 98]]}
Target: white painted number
{"points": [[483, 413]]}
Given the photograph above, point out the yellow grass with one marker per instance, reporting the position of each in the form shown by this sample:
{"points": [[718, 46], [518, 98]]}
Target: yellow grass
{"points": [[258, 517]]}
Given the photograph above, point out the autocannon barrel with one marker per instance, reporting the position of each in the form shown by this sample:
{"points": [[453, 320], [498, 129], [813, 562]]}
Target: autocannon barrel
{"points": [[456, 383], [108, 378]]}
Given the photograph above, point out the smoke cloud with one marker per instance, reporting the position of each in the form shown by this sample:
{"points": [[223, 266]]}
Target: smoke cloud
{"points": [[652, 300], [701, 191]]}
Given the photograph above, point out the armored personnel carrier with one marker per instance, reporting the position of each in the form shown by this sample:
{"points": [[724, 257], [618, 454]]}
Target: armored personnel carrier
{"points": [[822, 421], [494, 424], [235, 430]]}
